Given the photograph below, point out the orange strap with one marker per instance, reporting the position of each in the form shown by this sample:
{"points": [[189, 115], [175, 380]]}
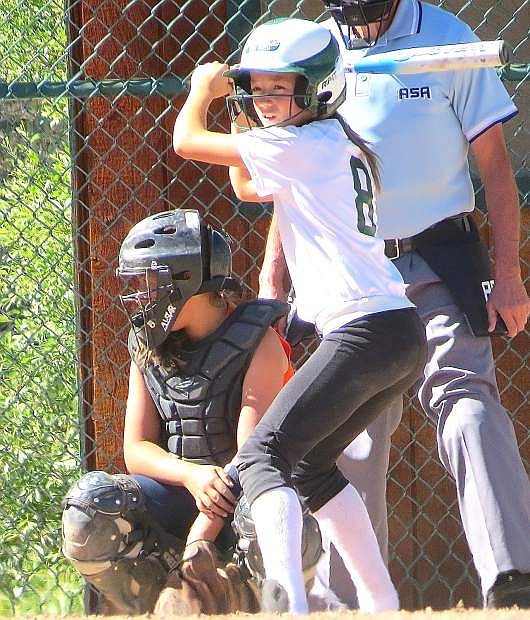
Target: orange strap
{"points": [[287, 348]]}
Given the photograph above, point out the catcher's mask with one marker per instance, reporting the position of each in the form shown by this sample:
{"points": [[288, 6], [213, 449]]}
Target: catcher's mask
{"points": [[297, 46], [360, 13], [164, 260]]}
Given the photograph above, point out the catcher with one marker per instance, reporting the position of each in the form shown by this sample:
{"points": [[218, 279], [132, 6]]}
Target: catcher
{"points": [[202, 374]]}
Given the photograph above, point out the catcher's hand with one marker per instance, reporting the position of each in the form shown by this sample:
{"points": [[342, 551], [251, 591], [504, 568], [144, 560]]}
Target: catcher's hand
{"points": [[212, 489]]}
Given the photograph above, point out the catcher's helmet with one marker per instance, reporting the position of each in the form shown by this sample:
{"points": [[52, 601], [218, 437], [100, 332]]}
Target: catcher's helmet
{"points": [[164, 260], [297, 46]]}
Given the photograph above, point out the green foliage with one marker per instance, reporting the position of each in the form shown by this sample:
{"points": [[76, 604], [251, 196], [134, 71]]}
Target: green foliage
{"points": [[32, 40], [39, 427]]}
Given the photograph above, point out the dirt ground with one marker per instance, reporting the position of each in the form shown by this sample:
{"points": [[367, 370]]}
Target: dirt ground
{"points": [[426, 614]]}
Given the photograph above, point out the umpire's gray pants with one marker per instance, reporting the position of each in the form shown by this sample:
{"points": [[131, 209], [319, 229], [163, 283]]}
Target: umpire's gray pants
{"points": [[476, 441]]}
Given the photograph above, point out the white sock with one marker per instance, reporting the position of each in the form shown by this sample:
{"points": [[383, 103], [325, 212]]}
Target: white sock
{"points": [[345, 520], [277, 516]]}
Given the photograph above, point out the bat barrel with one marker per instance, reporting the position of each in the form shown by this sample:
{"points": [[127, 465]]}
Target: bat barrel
{"points": [[457, 57]]}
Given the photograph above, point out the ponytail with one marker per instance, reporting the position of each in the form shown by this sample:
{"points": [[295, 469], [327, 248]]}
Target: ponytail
{"points": [[371, 157]]}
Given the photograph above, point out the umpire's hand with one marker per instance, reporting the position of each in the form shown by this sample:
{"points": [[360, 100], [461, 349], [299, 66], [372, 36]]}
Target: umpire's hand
{"points": [[509, 300]]}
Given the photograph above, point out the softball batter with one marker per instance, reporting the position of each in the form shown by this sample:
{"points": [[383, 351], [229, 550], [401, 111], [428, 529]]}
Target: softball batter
{"points": [[321, 177]]}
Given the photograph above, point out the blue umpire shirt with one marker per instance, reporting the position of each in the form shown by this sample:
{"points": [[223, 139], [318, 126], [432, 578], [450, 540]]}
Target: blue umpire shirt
{"points": [[421, 125]]}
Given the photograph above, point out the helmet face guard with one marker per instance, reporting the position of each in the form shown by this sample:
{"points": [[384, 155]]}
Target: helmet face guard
{"points": [[153, 295], [360, 13], [164, 260], [242, 104], [297, 46]]}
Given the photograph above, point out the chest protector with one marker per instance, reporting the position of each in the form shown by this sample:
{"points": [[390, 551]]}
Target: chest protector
{"points": [[200, 402]]}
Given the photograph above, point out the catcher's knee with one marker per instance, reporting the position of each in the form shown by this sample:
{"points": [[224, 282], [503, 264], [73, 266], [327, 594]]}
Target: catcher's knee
{"points": [[109, 537], [98, 519]]}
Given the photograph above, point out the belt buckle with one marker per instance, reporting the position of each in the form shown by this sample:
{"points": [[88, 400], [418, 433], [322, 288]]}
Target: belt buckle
{"points": [[392, 248]]}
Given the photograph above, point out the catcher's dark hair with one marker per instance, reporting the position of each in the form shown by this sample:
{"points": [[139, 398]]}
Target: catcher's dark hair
{"points": [[168, 355]]}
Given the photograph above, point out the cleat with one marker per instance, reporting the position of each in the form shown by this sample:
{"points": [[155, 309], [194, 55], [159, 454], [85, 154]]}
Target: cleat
{"points": [[510, 589]]}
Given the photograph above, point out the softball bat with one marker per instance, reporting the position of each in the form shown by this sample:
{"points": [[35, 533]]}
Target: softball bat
{"points": [[437, 58]]}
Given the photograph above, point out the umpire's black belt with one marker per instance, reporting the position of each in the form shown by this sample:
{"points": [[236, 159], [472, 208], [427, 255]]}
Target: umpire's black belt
{"points": [[446, 230]]}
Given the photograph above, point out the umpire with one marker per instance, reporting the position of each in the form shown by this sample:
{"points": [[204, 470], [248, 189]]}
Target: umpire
{"points": [[422, 127]]}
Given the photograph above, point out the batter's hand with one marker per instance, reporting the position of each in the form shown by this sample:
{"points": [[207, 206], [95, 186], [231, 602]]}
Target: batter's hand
{"points": [[209, 77], [212, 489], [509, 300]]}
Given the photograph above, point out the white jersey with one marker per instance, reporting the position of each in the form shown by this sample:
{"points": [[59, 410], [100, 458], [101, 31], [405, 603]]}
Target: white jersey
{"points": [[323, 203], [421, 125]]}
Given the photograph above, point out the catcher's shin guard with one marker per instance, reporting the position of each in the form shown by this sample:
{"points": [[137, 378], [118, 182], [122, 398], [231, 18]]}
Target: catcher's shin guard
{"points": [[114, 543], [248, 550]]}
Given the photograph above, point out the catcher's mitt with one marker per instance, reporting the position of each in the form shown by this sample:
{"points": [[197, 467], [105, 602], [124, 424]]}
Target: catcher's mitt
{"points": [[201, 585]]}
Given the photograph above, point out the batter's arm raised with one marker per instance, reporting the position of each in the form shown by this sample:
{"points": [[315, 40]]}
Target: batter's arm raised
{"points": [[509, 298], [191, 137]]}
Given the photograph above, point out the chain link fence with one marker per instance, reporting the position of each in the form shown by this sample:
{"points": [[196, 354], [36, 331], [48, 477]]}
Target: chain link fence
{"points": [[88, 95]]}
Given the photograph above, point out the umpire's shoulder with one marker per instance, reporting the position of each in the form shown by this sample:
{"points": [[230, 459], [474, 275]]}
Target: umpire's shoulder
{"points": [[442, 27]]}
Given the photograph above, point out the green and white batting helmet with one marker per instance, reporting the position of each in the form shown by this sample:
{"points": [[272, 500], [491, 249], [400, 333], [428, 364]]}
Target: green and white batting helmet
{"points": [[297, 46]]}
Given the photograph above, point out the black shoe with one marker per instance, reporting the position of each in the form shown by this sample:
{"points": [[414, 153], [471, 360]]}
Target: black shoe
{"points": [[510, 588], [274, 598]]}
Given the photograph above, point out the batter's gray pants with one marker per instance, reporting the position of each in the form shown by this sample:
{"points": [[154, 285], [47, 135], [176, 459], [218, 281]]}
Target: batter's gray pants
{"points": [[476, 441]]}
